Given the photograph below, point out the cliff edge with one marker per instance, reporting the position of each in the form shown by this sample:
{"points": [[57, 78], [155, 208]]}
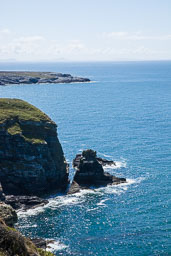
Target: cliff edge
{"points": [[31, 157]]}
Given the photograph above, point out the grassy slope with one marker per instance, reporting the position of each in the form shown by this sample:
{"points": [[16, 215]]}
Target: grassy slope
{"points": [[11, 109], [15, 108]]}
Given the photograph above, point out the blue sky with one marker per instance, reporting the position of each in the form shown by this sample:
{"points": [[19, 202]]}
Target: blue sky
{"points": [[84, 30]]}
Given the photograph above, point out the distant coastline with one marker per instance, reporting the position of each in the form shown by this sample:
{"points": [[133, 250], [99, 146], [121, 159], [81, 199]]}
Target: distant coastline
{"points": [[25, 77]]}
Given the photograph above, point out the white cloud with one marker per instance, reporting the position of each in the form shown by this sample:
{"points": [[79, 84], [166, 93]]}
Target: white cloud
{"points": [[4, 31], [75, 45], [29, 39], [135, 36], [37, 47], [14, 47]]}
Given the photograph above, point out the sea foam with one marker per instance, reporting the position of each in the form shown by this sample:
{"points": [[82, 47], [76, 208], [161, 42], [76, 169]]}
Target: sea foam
{"points": [[56, 246]]}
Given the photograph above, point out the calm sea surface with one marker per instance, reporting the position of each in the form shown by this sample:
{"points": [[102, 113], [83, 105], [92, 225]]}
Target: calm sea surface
{"points": [[125, 115]]}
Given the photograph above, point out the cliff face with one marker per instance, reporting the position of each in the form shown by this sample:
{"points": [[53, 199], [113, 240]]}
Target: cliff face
{"points": [[31, 157]]}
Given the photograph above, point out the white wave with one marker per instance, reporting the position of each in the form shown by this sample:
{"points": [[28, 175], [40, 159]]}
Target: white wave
{"points": [[62, 201], [92, 209], [56, 202], [56, 246], [30, 212], [101, 203], [117, 165], [79, 198], [120, 188], [104, 155], [29, 226]]}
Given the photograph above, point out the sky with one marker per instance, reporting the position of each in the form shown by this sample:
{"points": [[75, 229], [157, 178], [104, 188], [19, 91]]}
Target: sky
{"points": [[85, 30]]}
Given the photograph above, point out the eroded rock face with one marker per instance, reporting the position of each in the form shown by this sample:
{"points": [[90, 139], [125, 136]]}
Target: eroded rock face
{"points": [[8, 214], [31, 157], [90, 172]]}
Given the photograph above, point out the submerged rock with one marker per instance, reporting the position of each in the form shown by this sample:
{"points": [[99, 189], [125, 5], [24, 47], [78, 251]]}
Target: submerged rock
{"points": [[90, 172], [31, 157]]}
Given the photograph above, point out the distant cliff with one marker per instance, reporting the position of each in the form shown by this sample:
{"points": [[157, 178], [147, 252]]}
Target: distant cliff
{"points": [[21, 77], [31, 157]]}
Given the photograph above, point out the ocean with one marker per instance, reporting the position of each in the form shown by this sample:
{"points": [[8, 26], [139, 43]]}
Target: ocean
{"points": [[125, 115]]}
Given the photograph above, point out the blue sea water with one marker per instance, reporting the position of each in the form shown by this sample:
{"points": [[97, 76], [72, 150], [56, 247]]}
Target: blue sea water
{"points": [[125, 115]]}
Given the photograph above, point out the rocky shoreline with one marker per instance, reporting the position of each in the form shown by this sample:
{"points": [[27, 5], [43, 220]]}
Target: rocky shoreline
{"points": [[32, 164], [21, 77]]}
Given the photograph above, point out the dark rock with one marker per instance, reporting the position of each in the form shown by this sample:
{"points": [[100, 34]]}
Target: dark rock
{"points": [[89, 172], [75, 188], [42, 243], [25, 202], [32, 161], [33, 80], [105, 162], [102, 161], [39, 242]]}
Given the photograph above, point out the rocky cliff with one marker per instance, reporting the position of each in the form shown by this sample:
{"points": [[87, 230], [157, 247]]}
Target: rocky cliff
{"points": [[31, 157]]}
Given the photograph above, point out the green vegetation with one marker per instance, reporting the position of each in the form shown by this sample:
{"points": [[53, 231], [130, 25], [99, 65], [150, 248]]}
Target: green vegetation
{"points": [[34, 140], [19, 109], [2, 253], [13, 243], [44, 253], [14, 129], [27, 74], [31, 136]]}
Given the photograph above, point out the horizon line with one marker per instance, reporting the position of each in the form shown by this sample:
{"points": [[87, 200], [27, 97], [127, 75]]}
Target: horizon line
{"points": [[78, 61]]}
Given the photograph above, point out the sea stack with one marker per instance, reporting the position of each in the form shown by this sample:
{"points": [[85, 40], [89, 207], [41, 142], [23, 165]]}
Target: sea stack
{"points": [[32, 161], [90, 172]]}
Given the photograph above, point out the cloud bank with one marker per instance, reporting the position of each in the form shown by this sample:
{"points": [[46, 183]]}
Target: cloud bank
{"points": [[107, 46]]}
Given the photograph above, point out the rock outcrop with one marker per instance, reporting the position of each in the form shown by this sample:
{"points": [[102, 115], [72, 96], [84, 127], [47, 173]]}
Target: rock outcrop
{"points": [[8, 214], [31, 157], [102, 161], [21, 77], [90, 172]]}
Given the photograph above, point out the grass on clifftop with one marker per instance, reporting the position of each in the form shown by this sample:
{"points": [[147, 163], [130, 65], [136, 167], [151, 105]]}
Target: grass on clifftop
{"points": [[15, 108], [28, 74]]}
